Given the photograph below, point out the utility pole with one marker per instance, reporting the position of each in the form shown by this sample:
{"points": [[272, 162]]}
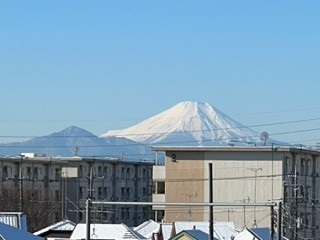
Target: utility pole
{"points": [[88, 202], [255, 194], [90, 181], [280, 221], [295, 205], [88, 222], [20, 184], [211, 230], [272, 214]]}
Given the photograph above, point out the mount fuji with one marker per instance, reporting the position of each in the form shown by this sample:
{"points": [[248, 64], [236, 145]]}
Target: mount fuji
{"points": [[189, 123], [185, 124]]}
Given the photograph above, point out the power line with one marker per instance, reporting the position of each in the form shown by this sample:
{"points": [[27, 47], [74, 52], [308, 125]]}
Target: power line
{"points": [[141, 144], [7, 145], [159, 133], [280, 111], [145, 145]]}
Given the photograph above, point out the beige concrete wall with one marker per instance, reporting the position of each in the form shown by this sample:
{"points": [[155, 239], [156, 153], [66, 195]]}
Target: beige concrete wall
{"points": [[185, 183], [246, 175], [233, 182]]}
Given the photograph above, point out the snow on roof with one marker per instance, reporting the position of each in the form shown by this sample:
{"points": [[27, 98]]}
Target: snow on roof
{"points": [[147, 228], [245, 234], [104, 231], [221, 229], [166, 229], [64, 225]]}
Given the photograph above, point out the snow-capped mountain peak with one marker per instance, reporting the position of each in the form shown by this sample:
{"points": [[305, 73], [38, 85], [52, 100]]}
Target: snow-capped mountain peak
{"points": [[188, 123]]}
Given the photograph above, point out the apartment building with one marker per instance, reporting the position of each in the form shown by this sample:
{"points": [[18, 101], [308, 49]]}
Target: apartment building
{"points": [[61, 185], [31, 184], [109, 180], [246, 175]]}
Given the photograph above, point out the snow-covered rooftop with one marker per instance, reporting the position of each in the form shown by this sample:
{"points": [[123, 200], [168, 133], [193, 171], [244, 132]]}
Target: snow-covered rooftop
{"points": [[64, 225], [104, 231]]}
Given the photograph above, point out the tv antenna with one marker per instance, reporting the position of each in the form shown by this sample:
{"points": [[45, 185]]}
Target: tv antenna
{"points": [[76, 150], [264, 137], [231, 143]]}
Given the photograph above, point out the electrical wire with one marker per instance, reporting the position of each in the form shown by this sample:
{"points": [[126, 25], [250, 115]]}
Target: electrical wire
{"points": [[7, 145], [160, 133], [136, 144]]}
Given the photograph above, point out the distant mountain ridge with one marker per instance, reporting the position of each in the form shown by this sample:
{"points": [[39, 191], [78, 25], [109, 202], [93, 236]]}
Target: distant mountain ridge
{"points": [[187, 124], [77, 141]]}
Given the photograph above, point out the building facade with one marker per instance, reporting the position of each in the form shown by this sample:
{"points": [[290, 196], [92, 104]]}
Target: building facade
{"points": [[59, 186], [109, 180], [246, 175]]}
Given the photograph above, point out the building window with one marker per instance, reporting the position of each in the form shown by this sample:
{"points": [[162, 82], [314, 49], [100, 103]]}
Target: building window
{"points": [[100, 171], [100, 193], [308, 163], [123, 173], [57, 174], [29, 173], [123, 193], [161, 187], [35, 173], [127, 214], [105, 212], [128, 173], [144, 212], [128, 193], [302, 166], [144, 174], [105, 172], [106, 192], [81, 171], [122, 213], [5, 172], [82, 191], [57, 195]]}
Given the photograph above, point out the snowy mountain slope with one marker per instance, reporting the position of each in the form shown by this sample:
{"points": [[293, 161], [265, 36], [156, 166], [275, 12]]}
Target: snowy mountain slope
{"points": [[188, 123]]}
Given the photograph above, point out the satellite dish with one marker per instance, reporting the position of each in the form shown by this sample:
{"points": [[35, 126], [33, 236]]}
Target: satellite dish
{"points": [[264, 137]]}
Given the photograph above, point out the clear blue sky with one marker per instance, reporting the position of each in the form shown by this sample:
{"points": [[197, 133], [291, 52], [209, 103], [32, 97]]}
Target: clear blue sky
{"points": [[104, 65]]}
